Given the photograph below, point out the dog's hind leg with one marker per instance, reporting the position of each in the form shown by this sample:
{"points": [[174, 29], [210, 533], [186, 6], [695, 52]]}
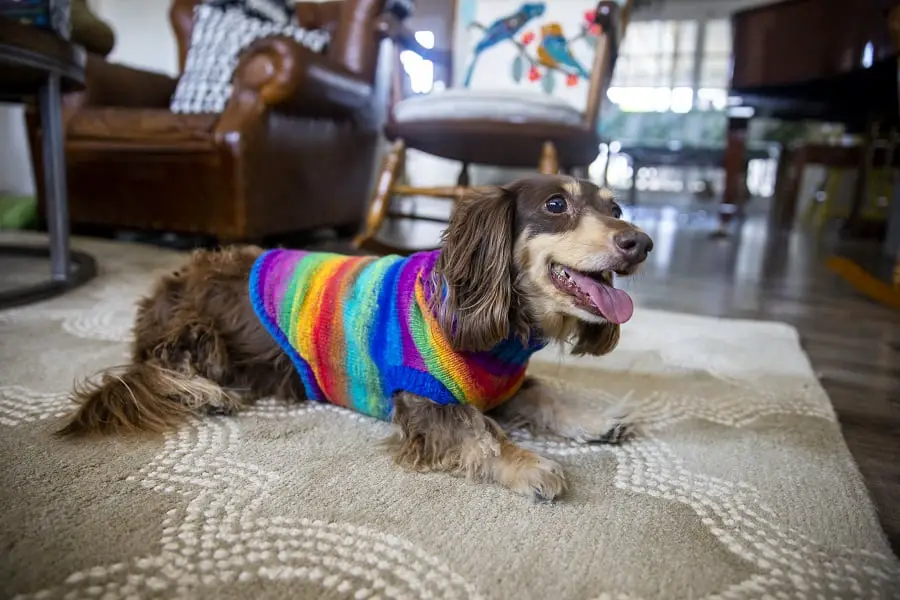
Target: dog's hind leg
{"points": [[461, 440]]}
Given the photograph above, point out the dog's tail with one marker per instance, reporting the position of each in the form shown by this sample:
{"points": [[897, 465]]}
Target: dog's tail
{"points": [[142, 397]]}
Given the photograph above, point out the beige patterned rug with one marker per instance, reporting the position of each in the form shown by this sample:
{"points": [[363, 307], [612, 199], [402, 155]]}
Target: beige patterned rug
{"points": [[740, 485]]}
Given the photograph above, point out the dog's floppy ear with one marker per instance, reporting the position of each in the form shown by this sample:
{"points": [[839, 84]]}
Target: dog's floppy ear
{"points": [[596, 339], [478, 307]]}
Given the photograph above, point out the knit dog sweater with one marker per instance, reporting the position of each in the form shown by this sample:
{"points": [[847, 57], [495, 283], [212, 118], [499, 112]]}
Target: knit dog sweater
{"points": [[360, 329]]}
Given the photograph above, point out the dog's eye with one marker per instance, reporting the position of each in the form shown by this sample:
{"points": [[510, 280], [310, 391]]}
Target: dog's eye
{"points": [[616, 211], [556, 205]]}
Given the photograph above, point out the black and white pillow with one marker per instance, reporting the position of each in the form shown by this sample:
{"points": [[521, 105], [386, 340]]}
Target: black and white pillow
{"points": [[275, 11], [222, 29]]}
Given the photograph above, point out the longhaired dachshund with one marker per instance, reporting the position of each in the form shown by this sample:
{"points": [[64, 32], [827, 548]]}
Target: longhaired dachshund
{"points": [[436, 342]]}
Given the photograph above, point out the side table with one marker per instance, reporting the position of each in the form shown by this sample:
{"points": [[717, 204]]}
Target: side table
{"points": [[38, 64]]}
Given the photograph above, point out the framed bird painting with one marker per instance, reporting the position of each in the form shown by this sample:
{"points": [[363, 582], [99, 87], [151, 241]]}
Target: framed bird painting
{"points": [[537, 46]]}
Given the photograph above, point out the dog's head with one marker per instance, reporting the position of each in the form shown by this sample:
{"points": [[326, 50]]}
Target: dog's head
{"points": [[537, 254]]}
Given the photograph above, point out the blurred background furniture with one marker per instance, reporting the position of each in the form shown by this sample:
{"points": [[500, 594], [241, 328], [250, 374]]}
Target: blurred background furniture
{"points": [[501, 129], [842, 170], [808, 60], [39, 64], [292, 150], [675, 155]]}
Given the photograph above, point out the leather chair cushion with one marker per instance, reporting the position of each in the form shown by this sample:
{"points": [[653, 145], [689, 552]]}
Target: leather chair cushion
{"points": [[487, 105], [142, 126]]}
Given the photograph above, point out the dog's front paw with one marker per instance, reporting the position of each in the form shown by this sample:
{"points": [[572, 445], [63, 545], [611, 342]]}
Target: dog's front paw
{"points": [[539, 478]]}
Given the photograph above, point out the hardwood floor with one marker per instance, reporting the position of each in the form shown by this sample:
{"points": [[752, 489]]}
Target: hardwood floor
{"points": [[853, 343]]}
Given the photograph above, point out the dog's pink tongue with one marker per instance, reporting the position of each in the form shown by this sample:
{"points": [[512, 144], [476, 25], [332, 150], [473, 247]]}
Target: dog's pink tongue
{"points": [[616, 305]]}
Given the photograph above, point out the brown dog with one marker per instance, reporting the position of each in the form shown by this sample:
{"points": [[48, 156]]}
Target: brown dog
{"points": [[519, 266]]}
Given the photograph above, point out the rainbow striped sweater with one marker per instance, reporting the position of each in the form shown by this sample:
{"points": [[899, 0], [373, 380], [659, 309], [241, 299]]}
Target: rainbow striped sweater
{"points": [[359, 330]]}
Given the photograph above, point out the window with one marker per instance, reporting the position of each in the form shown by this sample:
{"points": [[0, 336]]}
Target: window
{"points": [[654, 72], [420, 70], [657, 69], [715, 71]]}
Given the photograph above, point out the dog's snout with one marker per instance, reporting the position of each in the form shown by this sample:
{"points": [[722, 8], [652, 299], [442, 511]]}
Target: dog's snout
{"points": [[634, 245]]}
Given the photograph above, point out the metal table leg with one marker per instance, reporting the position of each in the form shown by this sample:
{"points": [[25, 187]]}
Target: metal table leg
{"points": [[67, 269], [55, 178]]}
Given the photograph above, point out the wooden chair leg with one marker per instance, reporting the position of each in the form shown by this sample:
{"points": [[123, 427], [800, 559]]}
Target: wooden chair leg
{"points": [[380, 204], [549, 164], [463, 179]]}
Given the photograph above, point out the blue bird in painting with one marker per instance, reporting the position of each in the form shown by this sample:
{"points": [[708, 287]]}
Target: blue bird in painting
{"points": [[504, 29], [554, 52]]}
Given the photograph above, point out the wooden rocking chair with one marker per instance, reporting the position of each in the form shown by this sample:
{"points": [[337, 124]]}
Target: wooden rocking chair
{"points": [[487, 127]]}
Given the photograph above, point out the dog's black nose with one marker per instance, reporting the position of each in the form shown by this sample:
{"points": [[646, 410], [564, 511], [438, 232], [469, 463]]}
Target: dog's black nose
{"points": [[634, 245]]}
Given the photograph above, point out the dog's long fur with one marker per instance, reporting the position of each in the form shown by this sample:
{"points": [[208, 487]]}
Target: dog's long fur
{"points": [[199, 347]]}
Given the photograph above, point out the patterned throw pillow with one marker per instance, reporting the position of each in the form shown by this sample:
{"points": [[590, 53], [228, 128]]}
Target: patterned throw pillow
{"points": [[275, 11], [222, 29]]}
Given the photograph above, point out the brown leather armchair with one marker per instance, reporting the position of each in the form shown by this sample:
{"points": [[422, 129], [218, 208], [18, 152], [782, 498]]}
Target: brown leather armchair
{"points": [[292, 150]]}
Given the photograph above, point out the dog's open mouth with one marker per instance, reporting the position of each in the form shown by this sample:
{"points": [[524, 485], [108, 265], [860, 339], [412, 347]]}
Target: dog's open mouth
{"points": [[593, 292]]}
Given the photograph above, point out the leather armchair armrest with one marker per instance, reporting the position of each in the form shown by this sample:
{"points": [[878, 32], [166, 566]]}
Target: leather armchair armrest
{"points": [[110, 84], [292, 79]]}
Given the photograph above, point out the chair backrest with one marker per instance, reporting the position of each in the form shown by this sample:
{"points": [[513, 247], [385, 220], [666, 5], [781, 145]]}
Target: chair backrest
{"points": [[566, 48], [354, 42]]}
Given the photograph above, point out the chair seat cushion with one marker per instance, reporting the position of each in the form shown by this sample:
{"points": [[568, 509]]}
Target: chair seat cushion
{"points": [[141, 126], [487, 105], [498, 143]]}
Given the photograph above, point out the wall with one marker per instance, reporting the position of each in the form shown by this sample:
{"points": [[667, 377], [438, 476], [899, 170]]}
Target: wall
{"points": [[144, 38], [15, 162]]}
